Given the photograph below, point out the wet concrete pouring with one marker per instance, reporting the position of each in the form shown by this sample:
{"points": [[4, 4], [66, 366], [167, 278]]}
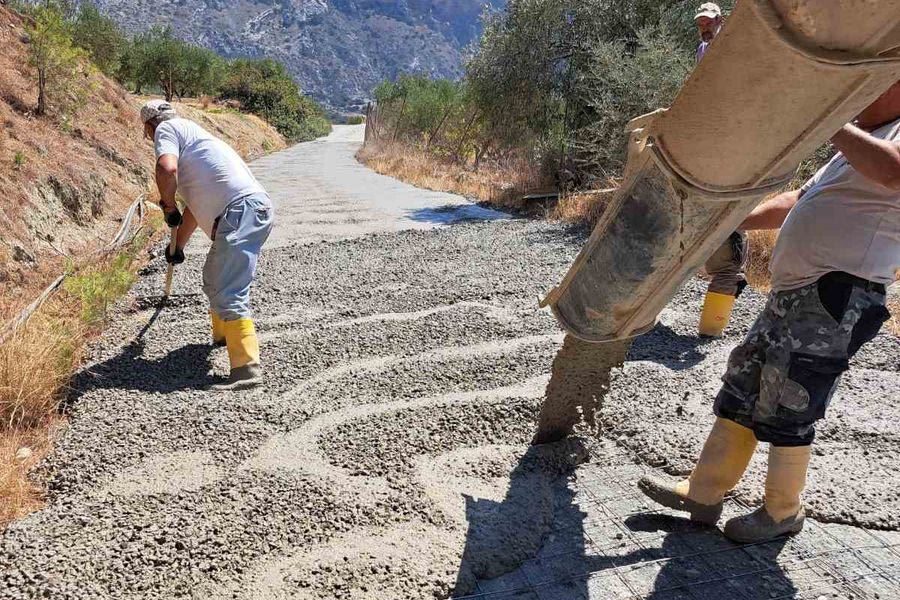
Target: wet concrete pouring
{"points": [[388, 456]]}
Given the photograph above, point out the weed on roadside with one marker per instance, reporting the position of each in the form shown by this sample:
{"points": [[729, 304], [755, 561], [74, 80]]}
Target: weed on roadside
{"points": [[97, 288]]}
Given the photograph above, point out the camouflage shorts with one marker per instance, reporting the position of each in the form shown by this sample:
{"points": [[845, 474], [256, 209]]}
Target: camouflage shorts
{"points": [[780, 379]]}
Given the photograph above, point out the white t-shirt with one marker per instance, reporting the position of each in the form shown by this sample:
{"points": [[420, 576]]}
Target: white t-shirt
{"points": [[844, 221], [210, 174]]}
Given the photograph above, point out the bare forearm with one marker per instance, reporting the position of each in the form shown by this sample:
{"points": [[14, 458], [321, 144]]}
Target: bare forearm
{"points": [[876, 159], [771, 214], [187, 228], [167, 184]]}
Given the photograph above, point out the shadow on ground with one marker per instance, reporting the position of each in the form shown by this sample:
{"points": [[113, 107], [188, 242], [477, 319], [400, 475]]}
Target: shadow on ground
{"points": [[592, 538], [665, 346], [455, 213], [184, 368]]}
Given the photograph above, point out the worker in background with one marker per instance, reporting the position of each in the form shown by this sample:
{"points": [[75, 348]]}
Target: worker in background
{"points": [[226, 201], [726, 267], [838, 248]]}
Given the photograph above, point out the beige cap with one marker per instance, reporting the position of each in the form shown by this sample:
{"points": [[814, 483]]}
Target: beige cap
{"points": [[708, 9], [156, 108]]}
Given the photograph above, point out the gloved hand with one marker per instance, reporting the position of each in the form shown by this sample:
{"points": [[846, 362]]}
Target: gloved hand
{"points": [[173, 217], [175, 259]]}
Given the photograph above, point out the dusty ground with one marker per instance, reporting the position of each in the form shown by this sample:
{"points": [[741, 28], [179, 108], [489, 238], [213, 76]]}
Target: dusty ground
{"points": [[387, 457]]}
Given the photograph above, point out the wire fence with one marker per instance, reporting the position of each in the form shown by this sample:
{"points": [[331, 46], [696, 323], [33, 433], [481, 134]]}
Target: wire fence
{"points": [[132, 223]]}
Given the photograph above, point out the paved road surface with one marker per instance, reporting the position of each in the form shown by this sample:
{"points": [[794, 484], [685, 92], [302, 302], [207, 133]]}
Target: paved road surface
{"points": [[387, 456]]}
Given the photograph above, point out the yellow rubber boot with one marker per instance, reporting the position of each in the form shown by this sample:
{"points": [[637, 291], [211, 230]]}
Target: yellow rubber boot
{"points": [[724, 459], [243, 353], [218, 329], [783, 512], [785, 480], [716, 314]]}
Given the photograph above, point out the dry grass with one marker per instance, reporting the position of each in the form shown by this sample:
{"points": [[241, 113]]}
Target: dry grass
{"points": [[501, 187], [893, 304], [761, 245], [583, 207], [19, 453], [35, 364]]}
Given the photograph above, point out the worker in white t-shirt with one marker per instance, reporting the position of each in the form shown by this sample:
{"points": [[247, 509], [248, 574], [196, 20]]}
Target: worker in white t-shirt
{"points": [[226, 201]]}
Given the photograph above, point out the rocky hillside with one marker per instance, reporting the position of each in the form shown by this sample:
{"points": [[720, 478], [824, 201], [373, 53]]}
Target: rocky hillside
{"points": [[337, 49]]}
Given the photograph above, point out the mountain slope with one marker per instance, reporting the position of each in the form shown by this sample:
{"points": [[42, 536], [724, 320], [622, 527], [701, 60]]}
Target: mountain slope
{"points": [[338, 50]]}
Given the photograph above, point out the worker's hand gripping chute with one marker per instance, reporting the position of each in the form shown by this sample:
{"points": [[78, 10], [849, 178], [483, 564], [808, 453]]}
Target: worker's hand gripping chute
{"points": [[780, 79]]}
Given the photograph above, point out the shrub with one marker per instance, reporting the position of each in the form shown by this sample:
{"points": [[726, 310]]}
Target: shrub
{"points": [[19, 159], [616, 85], [100, 37], [56, 60], [97, 288], [356, 120], [264, 87], [157, 58]]}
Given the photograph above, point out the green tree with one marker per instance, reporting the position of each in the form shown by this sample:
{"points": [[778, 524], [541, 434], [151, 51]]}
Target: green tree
{"points": [[264, 87], [100, 36], [157, 58], [56, 60]]}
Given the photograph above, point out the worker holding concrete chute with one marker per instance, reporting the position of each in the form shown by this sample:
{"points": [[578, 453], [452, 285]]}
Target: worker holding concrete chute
{"points": [[226, 201], [838, 248], [728, 264]]}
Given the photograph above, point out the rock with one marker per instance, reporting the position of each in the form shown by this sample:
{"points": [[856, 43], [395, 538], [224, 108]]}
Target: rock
{"points": [[23, 454]]}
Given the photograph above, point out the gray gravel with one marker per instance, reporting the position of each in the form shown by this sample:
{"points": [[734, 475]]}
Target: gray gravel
{"points": [[406, 371]]}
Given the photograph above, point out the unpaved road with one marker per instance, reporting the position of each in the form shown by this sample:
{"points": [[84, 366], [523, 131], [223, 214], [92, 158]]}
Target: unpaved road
{"points": [[387, 456]]}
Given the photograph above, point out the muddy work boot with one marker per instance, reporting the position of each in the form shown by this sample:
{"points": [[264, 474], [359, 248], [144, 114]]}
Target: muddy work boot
{"points": [[759, 526], [724, 459], [241, 378], [782, 513], [671, 495]]}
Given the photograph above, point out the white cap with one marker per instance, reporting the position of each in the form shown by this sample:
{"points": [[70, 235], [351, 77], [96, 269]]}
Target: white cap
{"points": [[708, 9], [156, 108]]}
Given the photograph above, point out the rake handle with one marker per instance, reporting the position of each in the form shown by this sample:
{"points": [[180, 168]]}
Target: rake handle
{"points": [[173, 244]]}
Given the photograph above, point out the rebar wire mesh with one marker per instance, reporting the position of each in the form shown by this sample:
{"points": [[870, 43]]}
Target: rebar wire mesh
{"points": [[609, 558]]}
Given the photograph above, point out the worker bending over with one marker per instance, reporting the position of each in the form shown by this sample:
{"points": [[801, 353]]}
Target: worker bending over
{"points": [[838, 248], [226, 201], [728, 264]]}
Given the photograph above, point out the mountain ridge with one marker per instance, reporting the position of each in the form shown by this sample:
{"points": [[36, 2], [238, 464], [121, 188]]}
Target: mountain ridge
{"points": [[338, 50]]}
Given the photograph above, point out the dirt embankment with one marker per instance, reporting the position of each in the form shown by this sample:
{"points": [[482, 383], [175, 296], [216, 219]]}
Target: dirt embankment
{"points": [[66, 181]]}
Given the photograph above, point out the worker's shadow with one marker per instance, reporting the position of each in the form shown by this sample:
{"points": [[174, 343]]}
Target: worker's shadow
{"points": [[664, 346], [184, 368], [537, 538], [699, 562]]}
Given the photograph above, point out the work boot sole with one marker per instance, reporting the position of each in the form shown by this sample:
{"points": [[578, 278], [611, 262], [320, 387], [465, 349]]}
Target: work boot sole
{"points": [[236, 386], [664, 493]]}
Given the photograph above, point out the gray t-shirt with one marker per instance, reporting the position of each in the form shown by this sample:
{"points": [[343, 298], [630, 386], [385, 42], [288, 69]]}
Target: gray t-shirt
{"points": [[842, 222], [210, 174]]}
